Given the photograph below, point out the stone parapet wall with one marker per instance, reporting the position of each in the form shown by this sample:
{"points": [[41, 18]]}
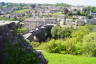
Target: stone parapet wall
{"points": [[8, 36]]}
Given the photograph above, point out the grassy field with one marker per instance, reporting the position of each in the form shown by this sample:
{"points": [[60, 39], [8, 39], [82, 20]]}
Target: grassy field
{"points": [[59, 13], [22, 11], [54, 58]]}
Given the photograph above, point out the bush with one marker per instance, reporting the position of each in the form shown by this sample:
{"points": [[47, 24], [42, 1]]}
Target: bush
{"points": [[18, 55], [81, 32], [69, 46], [21, 30], [55, 31], [42, 46], [61, 32], [55, 46], [72, 47], [35, 44], [89, 44], [73, 44], [78, 49]]}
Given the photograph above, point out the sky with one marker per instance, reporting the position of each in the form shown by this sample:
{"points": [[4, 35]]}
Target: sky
{"points": [[73, 2]]}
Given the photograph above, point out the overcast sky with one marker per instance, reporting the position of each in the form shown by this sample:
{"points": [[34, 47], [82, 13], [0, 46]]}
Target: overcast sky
{"points": [[73, 2]]}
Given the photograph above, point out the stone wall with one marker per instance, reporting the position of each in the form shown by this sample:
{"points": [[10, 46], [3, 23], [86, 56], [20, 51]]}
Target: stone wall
{"points": [[8, 36], [41, 34]]}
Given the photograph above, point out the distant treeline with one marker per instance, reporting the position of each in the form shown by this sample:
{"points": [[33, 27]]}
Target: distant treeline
{"points": [[57, 4], [8, 5]]}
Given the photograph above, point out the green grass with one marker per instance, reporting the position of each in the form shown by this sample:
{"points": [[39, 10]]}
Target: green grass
{"points": [[22, 11], [54, 58], [59, 13], [5, 18]]}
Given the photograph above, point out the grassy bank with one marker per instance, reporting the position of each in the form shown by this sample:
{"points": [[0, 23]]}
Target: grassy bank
{"points": [[54, 58], [22, 11]]}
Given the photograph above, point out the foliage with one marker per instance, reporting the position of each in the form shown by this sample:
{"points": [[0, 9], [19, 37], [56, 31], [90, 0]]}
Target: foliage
{"points": [[72, 47], [89, 17], [18, 55], [62, 4], [81, 32], [61, 32], [35, 44], [21, 19], [62, 47], [55, 46], [86, 11], [66, 11], [55, 30], [21, 30], [89, 43], [93, 9], [9, 5], [42, 46]]}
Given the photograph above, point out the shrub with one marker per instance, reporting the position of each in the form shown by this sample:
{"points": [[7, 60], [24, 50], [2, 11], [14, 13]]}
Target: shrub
{"points": [[21, 30], [56, 46], [61, 32], [78, 49], [42, 46], [69, 46], [81, 32], [35, 44], [18, 55], [55, 31], [89, 44], [74, 44], [72, 47]]}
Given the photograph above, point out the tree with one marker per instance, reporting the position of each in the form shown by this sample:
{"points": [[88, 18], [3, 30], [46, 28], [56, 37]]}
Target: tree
{"points": [[66, 10], [61, 32], [55, 31]]}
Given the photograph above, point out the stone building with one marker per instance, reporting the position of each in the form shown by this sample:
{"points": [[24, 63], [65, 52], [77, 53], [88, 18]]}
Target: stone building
{"points": [[32, 23]]}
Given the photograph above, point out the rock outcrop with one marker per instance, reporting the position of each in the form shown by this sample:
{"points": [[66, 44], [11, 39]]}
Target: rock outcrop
{"points": [[8, 36]]}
